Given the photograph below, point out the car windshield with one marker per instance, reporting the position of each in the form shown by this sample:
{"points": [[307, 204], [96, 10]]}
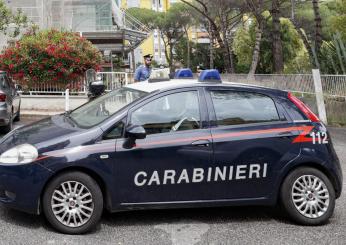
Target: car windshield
{"points": [[104, 107]]}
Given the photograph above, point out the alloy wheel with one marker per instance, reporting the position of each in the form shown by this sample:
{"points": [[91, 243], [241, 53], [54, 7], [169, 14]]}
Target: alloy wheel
{"points": [[310, 196], [72, 204]]}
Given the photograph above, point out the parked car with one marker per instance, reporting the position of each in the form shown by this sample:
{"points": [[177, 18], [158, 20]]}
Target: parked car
{"points": [[174, 144], [9, 103]]}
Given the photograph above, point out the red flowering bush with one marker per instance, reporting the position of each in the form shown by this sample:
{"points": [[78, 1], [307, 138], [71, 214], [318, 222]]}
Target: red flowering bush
{"points": [[49, 56]]}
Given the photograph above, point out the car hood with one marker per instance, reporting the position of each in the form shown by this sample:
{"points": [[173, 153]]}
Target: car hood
{"points": [[53, 133]]}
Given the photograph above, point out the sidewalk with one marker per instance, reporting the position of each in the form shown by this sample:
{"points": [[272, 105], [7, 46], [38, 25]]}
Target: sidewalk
{"points": [[40, 113], [48, 105]]}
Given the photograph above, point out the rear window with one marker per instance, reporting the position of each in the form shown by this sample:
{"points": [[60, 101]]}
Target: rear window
{"points": [[233, 108]]}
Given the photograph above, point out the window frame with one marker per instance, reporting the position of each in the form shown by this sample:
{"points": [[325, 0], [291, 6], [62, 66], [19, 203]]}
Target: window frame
{"points": [[204, 119], [212, 114]]}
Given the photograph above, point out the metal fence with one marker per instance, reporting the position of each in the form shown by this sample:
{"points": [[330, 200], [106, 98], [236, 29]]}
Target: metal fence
{"points": [[333, 85], [54, 88], [112, 80], [333, 88]]}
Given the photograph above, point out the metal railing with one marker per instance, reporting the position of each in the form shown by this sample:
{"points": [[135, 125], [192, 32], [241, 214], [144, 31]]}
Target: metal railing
{"points": [[54, 88], [333, 85], [34, 14], [112, 80]]}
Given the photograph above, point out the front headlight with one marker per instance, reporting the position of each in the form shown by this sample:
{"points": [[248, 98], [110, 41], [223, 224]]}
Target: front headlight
{"points": [[20, 154]]}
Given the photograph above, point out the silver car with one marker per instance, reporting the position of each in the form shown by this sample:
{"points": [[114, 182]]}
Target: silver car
{"points": [[9, 103]]}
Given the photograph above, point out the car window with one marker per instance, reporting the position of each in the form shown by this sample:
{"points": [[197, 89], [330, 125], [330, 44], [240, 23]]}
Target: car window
{"points": [[233, 108], [170, 113], [115, 132], [102, 108], [3, 82]]}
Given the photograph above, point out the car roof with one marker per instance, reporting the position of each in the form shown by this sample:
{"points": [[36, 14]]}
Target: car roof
{"points": [[149, 87]]}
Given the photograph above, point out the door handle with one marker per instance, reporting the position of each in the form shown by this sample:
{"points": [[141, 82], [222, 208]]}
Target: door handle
{"points": [[201, 143]]}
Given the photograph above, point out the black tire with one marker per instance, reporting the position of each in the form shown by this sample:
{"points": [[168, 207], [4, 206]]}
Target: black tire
{"points": [[292, 209], [96, 200], [17, 118]]}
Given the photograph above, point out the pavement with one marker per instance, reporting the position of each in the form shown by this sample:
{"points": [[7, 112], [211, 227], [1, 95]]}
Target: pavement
{"points": [[231, 225]]}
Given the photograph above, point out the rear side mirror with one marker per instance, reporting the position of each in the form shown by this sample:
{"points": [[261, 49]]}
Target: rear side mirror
{"points": [[133, 133]]}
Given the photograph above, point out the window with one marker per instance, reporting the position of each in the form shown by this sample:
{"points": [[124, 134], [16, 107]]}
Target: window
{"points": [[100, 109], [174, 112], [116, 132], [234, 108], [133, 3], [3, 82]]}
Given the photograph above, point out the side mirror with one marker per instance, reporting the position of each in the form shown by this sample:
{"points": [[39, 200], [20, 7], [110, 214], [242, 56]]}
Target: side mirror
{"points": [[133, 133], [136, 132]]}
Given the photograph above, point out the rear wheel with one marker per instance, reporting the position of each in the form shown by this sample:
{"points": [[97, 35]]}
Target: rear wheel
{"points": [[73, 203], [308, 196]]}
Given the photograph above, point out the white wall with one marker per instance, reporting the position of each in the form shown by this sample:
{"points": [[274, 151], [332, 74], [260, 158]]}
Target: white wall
{"points": [[48, 105]]}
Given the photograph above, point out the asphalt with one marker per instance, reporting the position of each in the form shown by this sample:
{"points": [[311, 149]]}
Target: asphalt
{"points": [[233, 225]]}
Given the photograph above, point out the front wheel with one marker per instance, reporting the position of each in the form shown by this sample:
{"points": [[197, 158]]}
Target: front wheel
{"points": [[308, 196], [73, 203]]}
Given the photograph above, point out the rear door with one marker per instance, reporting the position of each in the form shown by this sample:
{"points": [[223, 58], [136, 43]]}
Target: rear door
{"points": [[252, 139]]}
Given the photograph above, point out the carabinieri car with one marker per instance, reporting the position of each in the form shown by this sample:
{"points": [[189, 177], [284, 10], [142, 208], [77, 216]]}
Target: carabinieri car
{"points": [[172, 144]]}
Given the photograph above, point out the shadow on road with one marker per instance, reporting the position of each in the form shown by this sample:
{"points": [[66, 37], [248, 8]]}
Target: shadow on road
{"points": [[154, 217]]}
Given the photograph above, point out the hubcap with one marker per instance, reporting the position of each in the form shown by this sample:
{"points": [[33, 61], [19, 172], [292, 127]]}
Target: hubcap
{"points": [[72, 204], [310, 196]]}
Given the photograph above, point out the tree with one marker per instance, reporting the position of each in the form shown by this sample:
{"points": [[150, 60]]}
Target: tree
{"points": [[172, 25], [338, 20], [278, 61], [318, 26], [221, 17], [333, 56], [292, 45], [50, 55], [11, 23], [256, 8]]}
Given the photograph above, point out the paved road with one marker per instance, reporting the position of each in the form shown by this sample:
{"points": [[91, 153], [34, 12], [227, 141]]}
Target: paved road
{"points": [[245, 225]]}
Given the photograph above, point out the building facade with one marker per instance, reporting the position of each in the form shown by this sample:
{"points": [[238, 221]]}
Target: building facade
{"points": [[102, 22], [154, 43]]}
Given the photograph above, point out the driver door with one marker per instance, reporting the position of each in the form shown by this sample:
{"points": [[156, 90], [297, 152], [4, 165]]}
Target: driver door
{"points": [[177, 142]]}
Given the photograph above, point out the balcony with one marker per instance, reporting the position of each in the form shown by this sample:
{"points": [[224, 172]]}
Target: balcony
{"points": [[100, 21]]}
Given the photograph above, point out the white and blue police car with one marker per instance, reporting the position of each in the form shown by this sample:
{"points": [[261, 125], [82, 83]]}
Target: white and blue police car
{"points": [[181, 143]]}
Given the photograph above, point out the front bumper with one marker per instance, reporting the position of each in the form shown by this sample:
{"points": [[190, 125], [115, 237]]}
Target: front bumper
{"points": [[21, 186]]}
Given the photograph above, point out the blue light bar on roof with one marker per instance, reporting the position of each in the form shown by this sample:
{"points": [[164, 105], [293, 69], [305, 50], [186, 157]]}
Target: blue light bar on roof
{"points": [[184, 73], [211, 75]]}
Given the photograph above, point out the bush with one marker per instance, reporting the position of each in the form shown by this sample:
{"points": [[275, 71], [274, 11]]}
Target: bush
{"points": [[49, 56]]}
